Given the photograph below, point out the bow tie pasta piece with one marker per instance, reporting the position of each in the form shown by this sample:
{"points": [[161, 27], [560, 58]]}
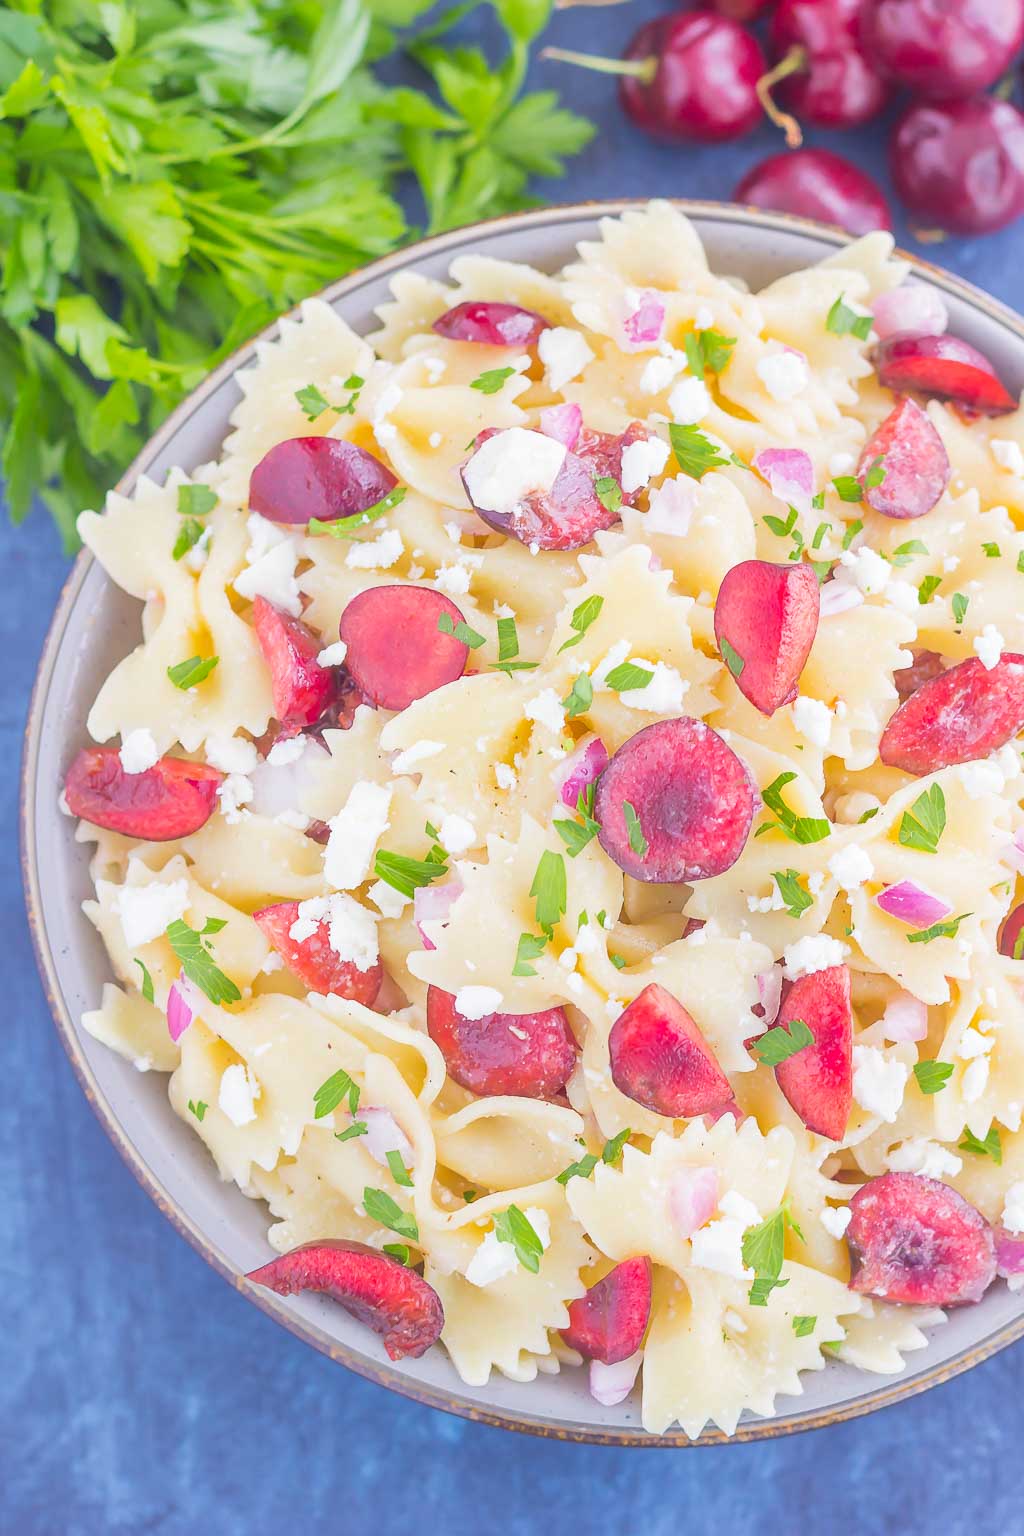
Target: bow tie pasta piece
{"points": [[707, 529], [400, 1037], [137, 1030], [317, 349], [984, 1040], [306, 1208], [484, 278], [880, 1335], [505, 1142], [988, 454], [796, 311], [710, 1356], [873, 256], [416, 302], [849, 670], [985, 1183], [776, 734], [256, 860]]}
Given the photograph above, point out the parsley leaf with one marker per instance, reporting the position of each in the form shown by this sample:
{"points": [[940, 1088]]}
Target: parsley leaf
{"points": [[992, 551], [549, 889], [198, 1109], [530, 946], [780, 1043], [147, 982], [398, 1251], [923, 825], [490, 382], [347, 527], [511, 1226], [959, 602], [196, 500], [508, 639], [407, 875], [848, 488], [799, 829], [186, 674], [804, 1325], [189, 535], [357, 1128], [945, 930], [198, 964], [332, 1092], [932, 1076], [582, 617], [707, 351], [380, 1207], [637, 841], [577, 834], [844, 321], [609, 492], [399, 1172], [627, 676], [796, 899], [904, 553], [580, 697], [460, 631], [929, 586], [732, 658], [695, 453], [611, 1154], [763, 1252], [991, 1147]]}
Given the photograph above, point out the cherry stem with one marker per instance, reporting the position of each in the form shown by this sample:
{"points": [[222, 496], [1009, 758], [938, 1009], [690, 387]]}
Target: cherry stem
{"points": [[635, 69], [793, 63]]}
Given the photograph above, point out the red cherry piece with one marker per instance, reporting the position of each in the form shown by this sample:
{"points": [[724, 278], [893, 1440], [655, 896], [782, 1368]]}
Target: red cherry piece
{"points": [[313, 960], [959, 165], [698, 79], [602, 453], [915, 464], [833, 83], [567, 516], [380, 1291], [691, 798], [302, 689], [942, 48], [530, 1055], [660, 1059], [766, 618], [963, 714], [818, 1081], [491, 324], [817, 184], [609, 1322], [925, 666], [741, 10], [172, 799], [916, 1241], [396, 651], [1010, 942], [945, 367], [323, 477]]}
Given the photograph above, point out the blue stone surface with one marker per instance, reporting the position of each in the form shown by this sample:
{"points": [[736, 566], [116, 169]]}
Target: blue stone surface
{"points": [[139, 1394]]}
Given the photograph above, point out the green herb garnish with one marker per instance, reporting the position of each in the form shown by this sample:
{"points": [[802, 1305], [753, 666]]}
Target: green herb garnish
{"points": [[198, 963], [186, 674]]}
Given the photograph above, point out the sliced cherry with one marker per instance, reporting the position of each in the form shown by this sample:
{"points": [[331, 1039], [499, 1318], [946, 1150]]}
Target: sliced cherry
{"points": [[602, 453], [818, 1081], [396, 650], [609, 1322], [660, 1059], [530, 1055], [1010, 942], [942, 48], [689, 75], [916, 1241], [766, 618], [567, 516], [915, 465], [946, 367], [816, 184], [324, 477], [378, 1290], [302, 689], [925, 666], [820, 70], [963, 714], [313, 960], [491, 323], [172, 799], [690, 798]]}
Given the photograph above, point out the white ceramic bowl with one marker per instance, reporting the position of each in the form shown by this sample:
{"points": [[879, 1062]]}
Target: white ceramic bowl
{"points": [[95, 625]]}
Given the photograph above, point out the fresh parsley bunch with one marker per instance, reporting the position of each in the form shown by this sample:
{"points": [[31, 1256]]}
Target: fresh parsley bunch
{"points": [[173, 173]]}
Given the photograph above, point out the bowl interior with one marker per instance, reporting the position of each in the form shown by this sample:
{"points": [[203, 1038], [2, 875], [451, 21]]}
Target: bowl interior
{"points": [[96, 625]]}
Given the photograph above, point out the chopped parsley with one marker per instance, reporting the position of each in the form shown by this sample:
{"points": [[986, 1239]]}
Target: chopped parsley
{"points": [[577, 834], [196, 500], [960, 603], [794, 896], [198, 1109], [929, 586], [763, 1252], [634, 831], [732, 658], [799, 829], [398, 1251], [380, 1207], [611, 1154], [780, 1043], [147, 982], [803, 1326], [609, 492], [399, 1172], [848, 488], [530, 947], [782, 528], [991, 1147], [346, 527], [707, 351], [923, 825], [357, 1128], [314, 402], [992, 551], [338, 1087], [904, 553], [460, 631], [582, 617], [189, 534], [508, 649], [852, 530], [944, 930], [549, 890], [490, 382], [932, 1076], [186, 674], [696, 454], [580, 696], [627, 676], [408, 875], [511, 1226], [193, 950], [844, 321]]}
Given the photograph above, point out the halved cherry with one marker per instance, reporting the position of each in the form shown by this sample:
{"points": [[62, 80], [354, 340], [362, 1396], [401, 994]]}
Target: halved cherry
{"points": [[602, 453], [1010, 934], [766, 618], [530, 1055], [172, 799], [396, 650], [302, 689], [915, 465], [916, 1241], [965, 713], [323, 477], [925, 666], [565, 517], [491, 324], [660, 1059], [609, 1322], [945, 367], [313, 960], [689, 798], [378, 1290], [818, 1081]]}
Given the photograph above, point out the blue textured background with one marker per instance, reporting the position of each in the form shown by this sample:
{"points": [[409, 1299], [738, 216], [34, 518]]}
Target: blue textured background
{"points": [[139, 1394]]}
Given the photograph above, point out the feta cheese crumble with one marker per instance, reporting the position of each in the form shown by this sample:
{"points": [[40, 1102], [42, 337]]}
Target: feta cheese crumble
{"points": [[546, 710], [456, 834], [641, 461], [813, 720], [989, 646], [237, 1094], [419, 752], [494, 1259], [354, 834], [921, 1155], [1013, 1210], [689, 402], [719, 1245], [332, 655], [660, 371], [835, 1219], [138, 751], [231, 754], [510, 466], [564, 353], [378, 554], [784, 374], [1007, 455], [851, 866], [814, 952], [269, 573], [147, 911], [477, 1002], [351, 928], [879, 1082]]}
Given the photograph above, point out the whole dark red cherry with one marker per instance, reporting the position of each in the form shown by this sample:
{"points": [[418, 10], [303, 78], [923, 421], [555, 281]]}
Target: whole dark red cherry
{"points": [[819, 70], [817, 184], [688, 75], [740, 10], [959, 165], [942, 48]]}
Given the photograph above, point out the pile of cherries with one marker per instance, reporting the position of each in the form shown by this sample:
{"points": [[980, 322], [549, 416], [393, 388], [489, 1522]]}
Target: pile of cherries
{"points": [[956, 149]]}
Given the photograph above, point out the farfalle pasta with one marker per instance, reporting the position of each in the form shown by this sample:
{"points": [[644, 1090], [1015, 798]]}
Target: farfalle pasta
{"points": [[560, 826]]}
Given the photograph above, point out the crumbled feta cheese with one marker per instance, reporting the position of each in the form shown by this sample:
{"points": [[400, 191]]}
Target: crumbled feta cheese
{"points": [[332, 655], [351, 928], [494, 1259], [388, 901], [614, 658], [138, 751], [983, 777], [784, 374], [287, 751], [719, 1244], [454, 579], [660, 371], [641, 461], [510, 466], [905, 598], [378, 554], [841, 464], [689, 402], [237, 1094], [851, 867], [231, 754], [663, 695], [1007, 455], [989, 646], [546, 710], [564, 353], [975, 1080], [505, 776], [435, 439], [147, 911], [704, 319], [436, 368], [1013, 1209], [670, 507], [456, 834], [879, 1082], [813, 720], [271, 559], [273, 962], [814, 952], [405, 762], [835, 1219], [235, 792], [354, 834], [850, 809], [868, 571], [921, 1155], [973, 1043], [477, 1002]]}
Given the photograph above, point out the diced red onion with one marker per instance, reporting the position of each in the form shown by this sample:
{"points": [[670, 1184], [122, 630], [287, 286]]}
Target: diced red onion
{"points": [[432, 904], [911, 904], [581, 768], [612, 1384], [692, 1198], [769, 989], [383, 1135], [1015, 853], [836, 597], [905, 1018], [789, 473], [562, 422], [644, 324], [912, 310], [1009, 1253], [180, 1011]]}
